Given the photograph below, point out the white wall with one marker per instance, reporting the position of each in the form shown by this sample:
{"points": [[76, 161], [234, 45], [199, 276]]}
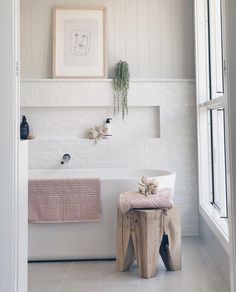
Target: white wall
{"points": [[217, 252], [59, 125], [154, 36]]}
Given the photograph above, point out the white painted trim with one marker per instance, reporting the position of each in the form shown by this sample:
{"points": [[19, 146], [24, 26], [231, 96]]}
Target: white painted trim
{"points": [[217, 225], [85, 106], [107, 80], [23, 217], [86, 141], [210, 261], [231, 73], [9, 147], [211, 104]]}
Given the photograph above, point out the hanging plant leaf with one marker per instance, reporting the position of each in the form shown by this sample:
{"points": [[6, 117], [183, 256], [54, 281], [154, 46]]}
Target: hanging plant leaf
{"points": [[121, 87]]}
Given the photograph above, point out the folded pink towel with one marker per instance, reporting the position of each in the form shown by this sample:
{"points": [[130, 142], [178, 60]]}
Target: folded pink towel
{"points": [[64, 200], [135, 200]]}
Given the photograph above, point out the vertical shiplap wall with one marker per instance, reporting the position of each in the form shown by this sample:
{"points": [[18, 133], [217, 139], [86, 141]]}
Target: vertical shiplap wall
{"points": [[154, 36]]}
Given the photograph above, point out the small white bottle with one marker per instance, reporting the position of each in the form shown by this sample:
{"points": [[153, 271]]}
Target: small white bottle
{"points": [[107, 127]]}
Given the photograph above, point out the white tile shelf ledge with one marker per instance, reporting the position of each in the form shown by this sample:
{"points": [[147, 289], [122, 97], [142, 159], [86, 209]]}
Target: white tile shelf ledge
{"points": [[101, 80], [80, 105], [87, 141]]}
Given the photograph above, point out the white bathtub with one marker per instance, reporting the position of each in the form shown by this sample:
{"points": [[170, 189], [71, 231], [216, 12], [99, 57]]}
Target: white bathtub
{"points": [[88, 240]]}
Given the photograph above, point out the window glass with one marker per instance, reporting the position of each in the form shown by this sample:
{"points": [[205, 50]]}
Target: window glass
{"points": [[218, 168], [216, 48], [219, 48]]}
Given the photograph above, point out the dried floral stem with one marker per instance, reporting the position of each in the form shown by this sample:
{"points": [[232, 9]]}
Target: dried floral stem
{"points": [[148, 186], [97, 134]]}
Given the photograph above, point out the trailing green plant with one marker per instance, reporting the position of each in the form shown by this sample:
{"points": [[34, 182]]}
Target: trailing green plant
{"points": [[121, 88]]}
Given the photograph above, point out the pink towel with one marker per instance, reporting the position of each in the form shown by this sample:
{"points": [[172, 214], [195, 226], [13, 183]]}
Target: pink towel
{"points": [[135, 200], [64, 200]]}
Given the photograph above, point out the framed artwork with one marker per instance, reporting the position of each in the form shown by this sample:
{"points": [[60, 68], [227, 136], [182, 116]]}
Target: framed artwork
{"points": [[79, 43]]}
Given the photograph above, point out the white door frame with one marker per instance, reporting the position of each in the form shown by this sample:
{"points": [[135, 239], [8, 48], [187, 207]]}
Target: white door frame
{"points": [[9, 145], [231, 56]]}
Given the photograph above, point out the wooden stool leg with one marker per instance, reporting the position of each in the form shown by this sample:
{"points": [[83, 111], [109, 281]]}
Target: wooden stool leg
{"points": [[125, 249], [146, 231], [170, 249]]}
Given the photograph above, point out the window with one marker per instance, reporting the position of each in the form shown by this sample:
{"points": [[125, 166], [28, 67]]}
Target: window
{"points": [[215, 48], [212, 106], [217, 160]]}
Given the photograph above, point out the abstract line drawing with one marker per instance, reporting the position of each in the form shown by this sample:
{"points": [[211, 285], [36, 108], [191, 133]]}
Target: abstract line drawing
{"points": [[80, 42]]}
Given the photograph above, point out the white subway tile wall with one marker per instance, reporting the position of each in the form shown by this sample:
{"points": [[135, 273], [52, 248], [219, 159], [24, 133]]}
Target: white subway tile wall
{"points": [[159, 109]]}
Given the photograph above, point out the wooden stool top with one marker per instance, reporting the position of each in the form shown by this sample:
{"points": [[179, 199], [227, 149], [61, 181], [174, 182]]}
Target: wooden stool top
{"points": [[146, 210]]}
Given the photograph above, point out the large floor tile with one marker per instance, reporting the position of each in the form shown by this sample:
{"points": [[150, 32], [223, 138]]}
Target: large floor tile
{"points": [[175, 286], [100, 273], [46, 277], [70, 287], [197, 275]]}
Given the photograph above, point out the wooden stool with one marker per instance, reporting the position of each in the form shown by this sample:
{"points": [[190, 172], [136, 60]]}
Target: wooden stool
{"points": [[143, 234]]}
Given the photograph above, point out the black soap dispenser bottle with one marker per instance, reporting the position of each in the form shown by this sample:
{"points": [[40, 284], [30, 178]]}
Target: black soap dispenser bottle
{"points": [[107, 127], [24, 129]]}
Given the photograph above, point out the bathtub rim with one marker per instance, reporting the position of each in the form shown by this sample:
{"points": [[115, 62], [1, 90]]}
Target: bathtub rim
{"points": [[33, 173]]}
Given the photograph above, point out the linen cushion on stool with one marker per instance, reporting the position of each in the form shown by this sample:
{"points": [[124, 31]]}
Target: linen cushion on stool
{"points": [[134, 200]]}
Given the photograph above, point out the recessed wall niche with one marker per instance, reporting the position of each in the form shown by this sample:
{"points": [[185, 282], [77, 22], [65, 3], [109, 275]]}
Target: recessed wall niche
{"points": [[73, 123], [67, 109]]}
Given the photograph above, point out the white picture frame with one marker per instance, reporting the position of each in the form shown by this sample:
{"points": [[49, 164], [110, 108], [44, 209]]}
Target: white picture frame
{"points": [[79, 43]]}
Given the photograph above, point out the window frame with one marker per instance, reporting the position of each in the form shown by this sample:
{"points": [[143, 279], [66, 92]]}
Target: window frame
{"points": [[205, 102], [221, 205]]}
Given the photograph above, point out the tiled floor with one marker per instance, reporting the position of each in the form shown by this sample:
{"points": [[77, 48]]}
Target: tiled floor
{"points": [[197, 275]]}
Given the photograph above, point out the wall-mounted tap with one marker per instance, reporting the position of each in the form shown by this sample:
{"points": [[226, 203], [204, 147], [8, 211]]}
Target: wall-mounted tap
{"points": [[66, 158]]}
